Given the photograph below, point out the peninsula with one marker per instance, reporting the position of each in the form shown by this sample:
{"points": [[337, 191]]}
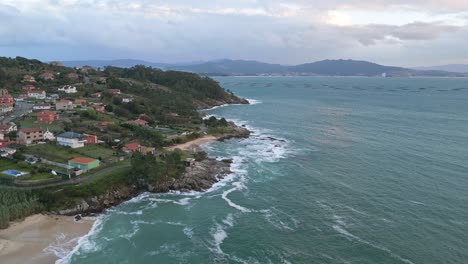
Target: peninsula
{"points": [[75, 141]]}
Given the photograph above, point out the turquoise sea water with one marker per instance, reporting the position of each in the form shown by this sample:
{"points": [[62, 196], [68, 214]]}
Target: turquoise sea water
{"points": [[358, 170]]}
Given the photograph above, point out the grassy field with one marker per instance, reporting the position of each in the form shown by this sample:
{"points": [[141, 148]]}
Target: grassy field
{"points": [[57, 153]]}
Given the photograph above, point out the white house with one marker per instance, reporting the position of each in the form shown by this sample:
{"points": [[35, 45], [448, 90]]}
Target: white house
{"points": [[126, 100], [71, 139], [39, 107], [38, 94], [69, 89], [49, 135]]}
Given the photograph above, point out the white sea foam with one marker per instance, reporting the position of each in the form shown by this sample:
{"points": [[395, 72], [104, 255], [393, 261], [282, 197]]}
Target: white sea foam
{"points": [[85, 243], [219, 235], [188, 232], [253, 101], [350, 236], [229, 220]]}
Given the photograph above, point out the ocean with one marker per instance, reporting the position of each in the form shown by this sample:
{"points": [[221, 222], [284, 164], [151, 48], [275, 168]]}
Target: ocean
{"points": [[338, 170]]}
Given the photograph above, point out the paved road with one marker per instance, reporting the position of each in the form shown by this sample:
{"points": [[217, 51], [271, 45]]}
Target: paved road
{"points": [[21, 109], [78, 180]]}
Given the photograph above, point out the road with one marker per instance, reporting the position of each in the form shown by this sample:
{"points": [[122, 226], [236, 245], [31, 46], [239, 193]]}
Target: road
{"points": [[21, 109]]}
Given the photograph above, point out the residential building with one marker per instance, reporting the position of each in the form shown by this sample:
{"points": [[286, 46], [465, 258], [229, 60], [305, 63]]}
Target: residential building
{"points": [[96, 95], [7, 128], [6, 101], [69, 89], [71, 139], [80, 102], [72, 76], [100, 108], [84, 164], [40, 107], [30, 135], [64, 104], [38, 94], [126, 100], [139, 122], [91, 139], [46, 117], [6, 152], [28, 87], [135, 146], [47, 76], [113, 91], [29, 79], [49, 135], [102, 80]]}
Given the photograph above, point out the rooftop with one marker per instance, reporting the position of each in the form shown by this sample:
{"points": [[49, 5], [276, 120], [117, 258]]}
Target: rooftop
{"points": [[82, 160], [71, 135]]}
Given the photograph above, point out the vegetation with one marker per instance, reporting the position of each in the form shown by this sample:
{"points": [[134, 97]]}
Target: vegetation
{"points": [[149, 169], [16, 204]]}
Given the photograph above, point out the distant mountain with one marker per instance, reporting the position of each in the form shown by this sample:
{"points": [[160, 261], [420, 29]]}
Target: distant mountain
{"points": [[248, 67], [461, 68], [233, 67], [345, 68], [122, 63]]}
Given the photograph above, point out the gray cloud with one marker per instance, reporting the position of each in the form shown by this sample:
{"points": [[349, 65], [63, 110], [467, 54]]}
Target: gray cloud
{"points": [[276, 31]]}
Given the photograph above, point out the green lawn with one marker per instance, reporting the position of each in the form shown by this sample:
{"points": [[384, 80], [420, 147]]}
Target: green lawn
{"points": [[23, 167], [57, 153]]}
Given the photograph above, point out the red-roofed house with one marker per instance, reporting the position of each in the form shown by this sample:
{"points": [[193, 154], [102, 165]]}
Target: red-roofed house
{"points": [[139, 122], [113, 91], [132, 147], [46, 117], [100, 108], [91, 139], [28, 87], [47, 76], [80, 102]]}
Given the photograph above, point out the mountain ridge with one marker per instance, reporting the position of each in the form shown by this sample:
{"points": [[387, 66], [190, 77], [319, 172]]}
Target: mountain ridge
{"points": [[229, 67]]}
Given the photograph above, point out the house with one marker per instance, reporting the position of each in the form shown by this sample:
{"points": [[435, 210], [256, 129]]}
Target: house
{"points": [[96, 95], [49, 135], [28, 87], [80, 102], [30, 135], [6, 152], [100, 108], [113, 91], [6, 101], [38, 94], [132, 147], [126, 100], [91, 139], [7, 128], [71, 139], [40, 107], [64, 104], [139, 122], [102, 126], [72, 76], [46, 117], [84, 164], [102, 80], [29, 79], [69, 89], [47, 76]]}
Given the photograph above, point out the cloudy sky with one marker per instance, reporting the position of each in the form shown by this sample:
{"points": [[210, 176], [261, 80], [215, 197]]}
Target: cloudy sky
{"points": [[392, 32]]}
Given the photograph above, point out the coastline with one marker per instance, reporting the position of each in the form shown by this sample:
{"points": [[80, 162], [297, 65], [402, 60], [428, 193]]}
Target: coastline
{"points": [[41, 239]]}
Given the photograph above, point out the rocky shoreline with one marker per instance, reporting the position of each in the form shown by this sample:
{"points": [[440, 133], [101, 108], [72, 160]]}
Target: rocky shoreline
{"points": [[199, 177]]}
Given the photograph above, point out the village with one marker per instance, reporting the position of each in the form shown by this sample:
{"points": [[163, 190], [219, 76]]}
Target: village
{"points": [[52, 134]]}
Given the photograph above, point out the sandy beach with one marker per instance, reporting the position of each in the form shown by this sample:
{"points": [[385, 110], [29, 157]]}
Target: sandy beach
{"points": [[192, 143], [35, 239]]}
